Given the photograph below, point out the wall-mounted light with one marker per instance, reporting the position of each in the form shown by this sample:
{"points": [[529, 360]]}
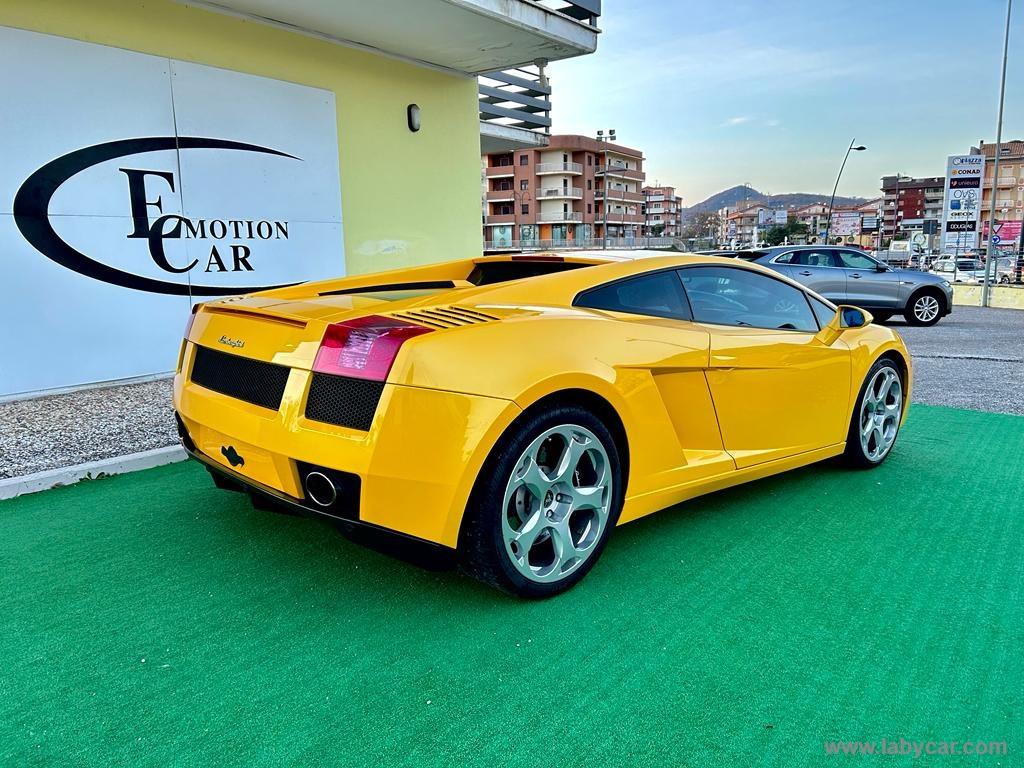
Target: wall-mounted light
{"points": [[412, 116]]}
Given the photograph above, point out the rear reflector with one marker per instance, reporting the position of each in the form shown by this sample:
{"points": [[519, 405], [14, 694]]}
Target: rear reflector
{"points": [[191, 319], [364, 348]]}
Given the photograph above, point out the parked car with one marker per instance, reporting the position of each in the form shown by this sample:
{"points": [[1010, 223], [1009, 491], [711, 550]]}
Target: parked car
{"points": [[960, 270], [512, 410], [850, 276]]}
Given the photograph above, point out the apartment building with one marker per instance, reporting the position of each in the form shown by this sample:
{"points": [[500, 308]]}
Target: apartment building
{"points": [[1009, 192], [571, 192], [911, 205], [662, 211]]}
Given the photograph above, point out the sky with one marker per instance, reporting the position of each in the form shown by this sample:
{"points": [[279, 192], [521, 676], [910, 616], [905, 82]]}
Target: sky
{"points": [[771, 93]]}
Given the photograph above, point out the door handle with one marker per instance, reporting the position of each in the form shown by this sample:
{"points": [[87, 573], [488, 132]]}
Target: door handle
{"points": [[806, 273], [855, 277]]}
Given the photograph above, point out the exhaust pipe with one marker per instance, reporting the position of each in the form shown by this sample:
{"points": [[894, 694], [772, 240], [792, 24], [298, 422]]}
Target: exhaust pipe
{"points": [[320, 489]]}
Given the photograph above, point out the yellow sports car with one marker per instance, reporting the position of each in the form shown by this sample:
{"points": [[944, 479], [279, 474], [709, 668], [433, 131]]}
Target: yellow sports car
{"points": [[511, 410]]}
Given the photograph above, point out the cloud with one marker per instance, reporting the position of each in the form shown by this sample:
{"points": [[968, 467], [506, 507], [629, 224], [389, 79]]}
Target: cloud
{"points": [[773, 123], [737, 120]]}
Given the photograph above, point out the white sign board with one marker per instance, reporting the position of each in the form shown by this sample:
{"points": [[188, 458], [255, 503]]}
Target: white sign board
{"points": [[961, 207], [846, 224], [132, 185]]}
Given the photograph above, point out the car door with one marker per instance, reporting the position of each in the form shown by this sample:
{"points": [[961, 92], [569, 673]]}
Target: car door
{"points": [[778, 389], [818, 269], [866, 286], [676, 436]]}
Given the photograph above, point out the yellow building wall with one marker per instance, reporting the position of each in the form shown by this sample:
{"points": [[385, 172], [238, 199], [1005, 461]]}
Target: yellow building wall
{"points": [[407, 197]]}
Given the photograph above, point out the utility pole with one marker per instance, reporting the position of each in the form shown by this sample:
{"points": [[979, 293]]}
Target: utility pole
{"points": [[991, 272]]}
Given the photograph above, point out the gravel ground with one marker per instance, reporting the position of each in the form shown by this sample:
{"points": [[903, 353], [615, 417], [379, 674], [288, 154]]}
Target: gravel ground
{"points": [[64, 430], [972, 359]]}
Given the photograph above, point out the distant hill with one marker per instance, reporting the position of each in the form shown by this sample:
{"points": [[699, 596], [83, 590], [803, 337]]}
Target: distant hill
{"points": [[733, 195]]}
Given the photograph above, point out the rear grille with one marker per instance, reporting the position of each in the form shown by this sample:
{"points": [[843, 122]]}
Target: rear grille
{"points": [[445, 317], [253, 381], [343, 401]]}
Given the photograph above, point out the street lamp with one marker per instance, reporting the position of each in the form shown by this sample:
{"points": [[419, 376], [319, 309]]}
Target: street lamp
{"points": [[832, 202]]}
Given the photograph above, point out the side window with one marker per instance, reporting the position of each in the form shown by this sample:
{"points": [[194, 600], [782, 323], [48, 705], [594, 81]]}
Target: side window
{"points": [[735, 296], [854, 260], [822, 311], [813, 258], [786, 258], [658, 294]]}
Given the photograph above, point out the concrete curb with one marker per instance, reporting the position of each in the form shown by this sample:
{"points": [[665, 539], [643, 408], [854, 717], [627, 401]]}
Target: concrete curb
{"points": [[51, 478]]}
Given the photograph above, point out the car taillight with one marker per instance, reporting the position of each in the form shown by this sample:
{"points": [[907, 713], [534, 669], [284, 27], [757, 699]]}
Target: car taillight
{"points": [[192, 319], [364, 348]]}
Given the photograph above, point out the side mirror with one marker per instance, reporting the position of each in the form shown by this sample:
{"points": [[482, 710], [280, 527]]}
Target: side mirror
{"points": [[881, 268], [852, 317], [846, 317]]}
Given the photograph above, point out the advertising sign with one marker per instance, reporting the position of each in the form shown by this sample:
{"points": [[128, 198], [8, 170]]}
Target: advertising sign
{"points": [[1007, 232], [132, 185], [846, 224], [962, 203], [781, 217], [869, 224]]}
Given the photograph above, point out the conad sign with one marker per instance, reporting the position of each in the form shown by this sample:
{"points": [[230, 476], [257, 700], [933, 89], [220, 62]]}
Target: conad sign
{"points": [[132, 184]]}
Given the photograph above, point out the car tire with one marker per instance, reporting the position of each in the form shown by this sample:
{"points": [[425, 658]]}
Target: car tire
{"points": [[875, 422], [544, 503], [925, 307]]}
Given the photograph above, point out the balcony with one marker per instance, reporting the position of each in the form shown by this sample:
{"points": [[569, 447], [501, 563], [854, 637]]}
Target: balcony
{"points": [[500, 218], [549, 193], [515, 109], [615, 217], [1004, 181], [573, 169], [500, 195], [560, 216], [497, 171], [467, 36], [619, 170], [619, 195]]}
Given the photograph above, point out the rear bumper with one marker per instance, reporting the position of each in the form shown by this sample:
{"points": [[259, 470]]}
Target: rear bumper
{"points": [[408, 547], [415, 465]]}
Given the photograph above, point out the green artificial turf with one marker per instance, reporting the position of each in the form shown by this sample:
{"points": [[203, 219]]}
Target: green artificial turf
{"points": [[150, 619]]}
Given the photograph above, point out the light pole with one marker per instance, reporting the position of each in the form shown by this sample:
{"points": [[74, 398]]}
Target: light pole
{"points": [[832, 202], [990, 272]]}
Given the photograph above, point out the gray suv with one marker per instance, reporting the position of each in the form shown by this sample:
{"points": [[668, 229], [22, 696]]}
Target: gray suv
{"points": [[850, 276]]}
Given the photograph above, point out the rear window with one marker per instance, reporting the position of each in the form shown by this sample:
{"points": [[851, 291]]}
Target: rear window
{"points": [[490, 272], [750, 255]]}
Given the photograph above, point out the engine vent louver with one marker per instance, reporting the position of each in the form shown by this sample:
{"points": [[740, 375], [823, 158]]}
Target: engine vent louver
{"points": [[445, 317]]}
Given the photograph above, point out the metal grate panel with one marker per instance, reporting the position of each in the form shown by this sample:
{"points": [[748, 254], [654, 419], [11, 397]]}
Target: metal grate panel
{"points": [[253, 381], [342, 400]]}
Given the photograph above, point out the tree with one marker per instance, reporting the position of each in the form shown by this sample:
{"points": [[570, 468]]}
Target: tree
{"points": [[657, 229], [701, 225], [791, 229]]}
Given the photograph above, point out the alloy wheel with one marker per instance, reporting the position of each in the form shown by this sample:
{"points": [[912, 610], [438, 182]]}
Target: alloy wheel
{"points": [[557, 502], [926, 308], [880, 413]]}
